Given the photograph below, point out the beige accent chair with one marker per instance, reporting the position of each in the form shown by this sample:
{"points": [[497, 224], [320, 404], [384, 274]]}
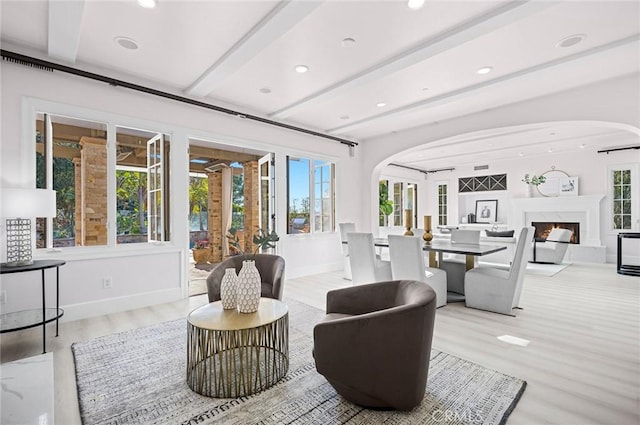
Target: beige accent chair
{"points": [[346, 228], [365, 266], [456, 267], [407, 262], [498, 290], [553, 249], [270, 267], [374, 344]]}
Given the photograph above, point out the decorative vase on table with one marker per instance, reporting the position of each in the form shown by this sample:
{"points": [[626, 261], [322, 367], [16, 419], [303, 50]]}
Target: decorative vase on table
{"points": [[249, 287], [427, 229], [229, 289]]}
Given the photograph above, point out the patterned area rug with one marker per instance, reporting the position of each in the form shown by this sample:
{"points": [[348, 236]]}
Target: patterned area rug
{"points": [[138, 377]]}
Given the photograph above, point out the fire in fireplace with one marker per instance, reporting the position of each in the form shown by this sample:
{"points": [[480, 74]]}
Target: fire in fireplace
{"points": [[543, 228]]}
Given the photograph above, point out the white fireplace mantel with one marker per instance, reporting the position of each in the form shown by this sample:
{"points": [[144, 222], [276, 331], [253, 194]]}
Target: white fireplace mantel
{"points": [[581, 209]]}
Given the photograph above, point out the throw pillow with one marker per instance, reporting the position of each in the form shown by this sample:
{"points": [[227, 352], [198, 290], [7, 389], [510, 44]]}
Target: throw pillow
{"points": [[503, 234]]}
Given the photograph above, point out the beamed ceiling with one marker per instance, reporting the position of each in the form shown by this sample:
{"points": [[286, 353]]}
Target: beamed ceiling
{"points": [[374, 67]]}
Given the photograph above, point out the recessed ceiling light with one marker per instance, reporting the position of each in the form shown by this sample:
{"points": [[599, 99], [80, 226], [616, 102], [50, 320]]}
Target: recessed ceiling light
{"points": [[301, 69], [126, 42], [147, 4], [348, 42], [265, 90], [550, 150], [521, 154], [572, 40], [582, 146], [344, 117], [552, 134], [415, 4], [484, 70], [425, 88], [381, 105]]}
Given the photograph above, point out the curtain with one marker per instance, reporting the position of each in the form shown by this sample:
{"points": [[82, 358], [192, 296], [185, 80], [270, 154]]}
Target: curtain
{"points": [[227, 201]]}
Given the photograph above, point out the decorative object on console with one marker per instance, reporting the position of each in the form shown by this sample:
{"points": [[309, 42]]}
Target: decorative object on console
{"points": [[486, 211], [498, 234], [427, 229], [408, 223], [19, 206], [229, 289]]}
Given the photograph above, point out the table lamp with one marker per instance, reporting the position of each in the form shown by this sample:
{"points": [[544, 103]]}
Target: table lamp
{"points": [[18, 203]]}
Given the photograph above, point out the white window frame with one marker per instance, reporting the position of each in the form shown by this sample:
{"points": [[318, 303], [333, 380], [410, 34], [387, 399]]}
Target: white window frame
{"points": [[635, 196], [30, 108], [312, 167], [444, 183]]}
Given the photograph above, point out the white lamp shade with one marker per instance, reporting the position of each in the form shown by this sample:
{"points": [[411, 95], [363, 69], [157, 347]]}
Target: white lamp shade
{"points": [[27, 203]]}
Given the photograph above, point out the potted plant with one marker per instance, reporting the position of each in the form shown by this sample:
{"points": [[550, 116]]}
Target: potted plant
{"points": [[201, 251], [261, 240], [533, 181]]}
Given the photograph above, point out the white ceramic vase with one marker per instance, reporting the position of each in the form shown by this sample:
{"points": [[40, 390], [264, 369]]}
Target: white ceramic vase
{"points": [[530, 189], [229, 289], [249, 287]]}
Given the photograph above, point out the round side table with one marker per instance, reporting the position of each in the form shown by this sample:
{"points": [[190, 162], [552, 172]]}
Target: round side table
{"points": [[232, 354]]}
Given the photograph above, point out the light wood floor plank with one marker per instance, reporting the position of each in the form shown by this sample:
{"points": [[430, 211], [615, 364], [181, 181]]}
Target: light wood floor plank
{"points": [[582, 364]]}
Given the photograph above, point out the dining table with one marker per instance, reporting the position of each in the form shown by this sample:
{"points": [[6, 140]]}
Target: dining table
{"points": [[440, 247]]}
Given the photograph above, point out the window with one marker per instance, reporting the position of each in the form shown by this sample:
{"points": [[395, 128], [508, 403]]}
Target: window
{"points": [[237, 202], [397, 204], [198, 202], [73, 157], [310, 182], [442, 204], [384, 203], [141, 186], [622, 195], [67, 150]]}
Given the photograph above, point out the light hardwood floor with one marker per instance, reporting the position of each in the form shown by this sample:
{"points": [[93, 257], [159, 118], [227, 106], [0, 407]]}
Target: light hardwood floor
{"points": [[582, 364]]}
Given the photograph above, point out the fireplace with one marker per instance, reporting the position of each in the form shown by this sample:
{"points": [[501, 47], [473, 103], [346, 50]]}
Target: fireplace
{"points": [[543, 228]]}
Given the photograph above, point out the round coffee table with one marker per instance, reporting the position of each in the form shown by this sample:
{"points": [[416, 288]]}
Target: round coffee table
{"points": [[232, 354]]}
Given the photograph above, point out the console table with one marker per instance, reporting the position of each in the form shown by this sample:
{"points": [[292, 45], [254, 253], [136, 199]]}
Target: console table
{"points": [[626, 269], [26, 319]]}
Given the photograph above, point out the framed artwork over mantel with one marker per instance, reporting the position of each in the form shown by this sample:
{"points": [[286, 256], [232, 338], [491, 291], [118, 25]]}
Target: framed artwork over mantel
{"points": [[487, 211]]}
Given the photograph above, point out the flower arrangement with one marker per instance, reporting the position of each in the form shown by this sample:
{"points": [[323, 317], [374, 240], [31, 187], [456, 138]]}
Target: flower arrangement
{"points": [[262, 239], [534, 180], [202, 244]]}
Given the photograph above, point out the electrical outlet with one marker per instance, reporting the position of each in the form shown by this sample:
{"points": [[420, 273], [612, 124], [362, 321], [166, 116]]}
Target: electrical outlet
{"points": [[3, 297], [107, 282]]}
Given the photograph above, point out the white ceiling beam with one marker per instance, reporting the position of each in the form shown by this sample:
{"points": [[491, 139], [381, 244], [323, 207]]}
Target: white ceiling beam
{"points": [[467, 31], [277, 22], [470, 90], [65, 24]]}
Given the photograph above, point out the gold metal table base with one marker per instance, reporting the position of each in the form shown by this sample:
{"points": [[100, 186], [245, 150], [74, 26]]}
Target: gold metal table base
{"points": [[237, 362]]}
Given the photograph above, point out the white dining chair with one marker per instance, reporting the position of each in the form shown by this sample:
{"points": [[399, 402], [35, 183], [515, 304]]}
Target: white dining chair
{"points": [[344, 229], [497, 290], [454, 266], [407, 262], [365, 267]]}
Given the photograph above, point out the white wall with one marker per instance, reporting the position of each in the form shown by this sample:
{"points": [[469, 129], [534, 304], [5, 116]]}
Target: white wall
{"points": [[614, 101], [148, 275]]}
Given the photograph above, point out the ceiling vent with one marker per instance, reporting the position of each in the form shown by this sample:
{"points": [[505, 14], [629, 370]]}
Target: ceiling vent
{"points": [[480, 167]]}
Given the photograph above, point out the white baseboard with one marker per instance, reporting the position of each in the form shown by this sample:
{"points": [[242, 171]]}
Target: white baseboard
{"points": [[114, 305], [313, 269]]}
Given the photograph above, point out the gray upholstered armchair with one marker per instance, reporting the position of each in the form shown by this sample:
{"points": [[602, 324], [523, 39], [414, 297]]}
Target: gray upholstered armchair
{"points": [[374, 344], [271, 268]]}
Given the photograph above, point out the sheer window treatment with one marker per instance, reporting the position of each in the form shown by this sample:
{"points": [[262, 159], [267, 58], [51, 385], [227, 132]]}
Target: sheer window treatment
{"points": [[227, 181]]}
